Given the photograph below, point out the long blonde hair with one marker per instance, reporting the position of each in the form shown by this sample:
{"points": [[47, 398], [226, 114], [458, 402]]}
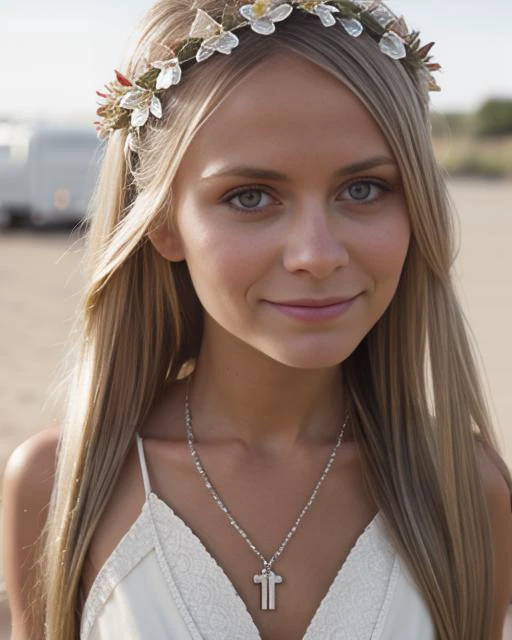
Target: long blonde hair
{"points": [[412, 386]]}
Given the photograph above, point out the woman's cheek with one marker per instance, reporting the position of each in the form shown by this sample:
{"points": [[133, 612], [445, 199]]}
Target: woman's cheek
{"points": [[381, 251], [218, 262]]}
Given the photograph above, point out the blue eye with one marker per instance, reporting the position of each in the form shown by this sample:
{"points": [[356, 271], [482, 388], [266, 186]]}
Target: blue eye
{"points": [[250, 197], [360, 191]]}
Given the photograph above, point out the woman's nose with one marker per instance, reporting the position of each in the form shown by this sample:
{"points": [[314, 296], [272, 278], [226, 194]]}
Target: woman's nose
{"points": [[314, 243]]}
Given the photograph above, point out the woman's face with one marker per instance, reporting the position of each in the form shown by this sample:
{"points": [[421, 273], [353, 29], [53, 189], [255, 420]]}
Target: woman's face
{"points": [[290, 192]]}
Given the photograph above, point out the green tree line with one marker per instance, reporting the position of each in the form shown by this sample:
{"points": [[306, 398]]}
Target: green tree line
{"points": [[492, 119]]}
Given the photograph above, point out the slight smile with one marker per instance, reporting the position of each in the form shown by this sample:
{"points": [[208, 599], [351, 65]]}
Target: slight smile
{"points": [[314, 310]]}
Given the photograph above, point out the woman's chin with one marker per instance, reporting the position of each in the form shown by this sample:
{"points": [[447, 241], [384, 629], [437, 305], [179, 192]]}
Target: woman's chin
{"points": [[313, 356]]}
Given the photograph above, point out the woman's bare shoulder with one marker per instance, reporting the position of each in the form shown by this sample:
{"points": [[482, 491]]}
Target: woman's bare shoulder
{"points": [[493, 467], [30, 468], [26, 490]]}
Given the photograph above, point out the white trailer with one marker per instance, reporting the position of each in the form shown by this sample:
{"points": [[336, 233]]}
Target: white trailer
{"points": [[55, 180]]}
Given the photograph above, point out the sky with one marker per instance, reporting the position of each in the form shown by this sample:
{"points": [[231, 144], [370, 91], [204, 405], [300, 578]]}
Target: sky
{"points": [[55, 54]]}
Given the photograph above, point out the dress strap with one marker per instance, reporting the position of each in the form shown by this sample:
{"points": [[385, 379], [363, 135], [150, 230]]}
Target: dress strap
{"points": [[143, 466]]}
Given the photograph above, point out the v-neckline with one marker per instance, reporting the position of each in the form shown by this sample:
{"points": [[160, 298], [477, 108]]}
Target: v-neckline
{"points": [[229, 587]]}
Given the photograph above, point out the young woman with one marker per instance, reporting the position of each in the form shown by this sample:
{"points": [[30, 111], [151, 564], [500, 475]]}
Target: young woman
{"points": [[275, 427]]}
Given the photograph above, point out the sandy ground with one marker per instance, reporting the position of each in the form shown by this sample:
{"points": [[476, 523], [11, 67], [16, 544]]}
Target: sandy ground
{"points": [[40, 276]]}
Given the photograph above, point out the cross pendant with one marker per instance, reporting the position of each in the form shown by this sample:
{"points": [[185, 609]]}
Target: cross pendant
{"points": [[268, 583]]}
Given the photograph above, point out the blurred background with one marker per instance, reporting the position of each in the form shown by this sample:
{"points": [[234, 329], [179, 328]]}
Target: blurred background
{"points": [[55, 55]]}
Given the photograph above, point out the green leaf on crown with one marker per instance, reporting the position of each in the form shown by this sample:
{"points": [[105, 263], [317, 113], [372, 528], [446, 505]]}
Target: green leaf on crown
{"points": [[189, 49], [231, 17], [148, 79]]}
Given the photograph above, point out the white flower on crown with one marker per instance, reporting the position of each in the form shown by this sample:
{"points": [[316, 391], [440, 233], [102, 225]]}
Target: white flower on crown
{"points": [[322, 10], [383, 15], [262, 14], [170, 73], [142, 102], [390, 31], [352, 26], [393, 46], [214, 36]]}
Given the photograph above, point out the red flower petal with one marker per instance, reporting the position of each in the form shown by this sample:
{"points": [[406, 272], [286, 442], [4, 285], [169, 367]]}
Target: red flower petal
{"points": [[122, 80], [101, 95]]}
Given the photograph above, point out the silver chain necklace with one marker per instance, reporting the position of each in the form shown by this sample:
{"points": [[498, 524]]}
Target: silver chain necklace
{"points": [[267, 578]]}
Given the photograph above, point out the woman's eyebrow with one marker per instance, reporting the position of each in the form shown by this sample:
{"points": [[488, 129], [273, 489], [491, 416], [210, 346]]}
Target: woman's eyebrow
{"points": [[244, 171]]}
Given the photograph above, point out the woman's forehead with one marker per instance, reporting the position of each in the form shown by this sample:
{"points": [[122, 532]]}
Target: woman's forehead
{"points": [[287, 106]]}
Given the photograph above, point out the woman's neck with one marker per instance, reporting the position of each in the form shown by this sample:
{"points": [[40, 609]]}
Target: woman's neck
{"points": [[262, 404]]}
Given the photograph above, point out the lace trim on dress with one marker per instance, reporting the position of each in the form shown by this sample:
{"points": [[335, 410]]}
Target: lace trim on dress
{"points": [[355, 606], [361, 592], [131, 549], [198, 583], [164, 567], [386, 605], [357, 600], [192, 574]]}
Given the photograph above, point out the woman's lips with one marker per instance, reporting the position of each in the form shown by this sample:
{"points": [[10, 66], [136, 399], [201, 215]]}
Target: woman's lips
{"points": [[313, 314]]}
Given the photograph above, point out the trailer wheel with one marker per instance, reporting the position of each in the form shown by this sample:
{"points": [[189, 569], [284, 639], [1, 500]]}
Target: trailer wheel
{"points": [[37, 221], [5, 219]]}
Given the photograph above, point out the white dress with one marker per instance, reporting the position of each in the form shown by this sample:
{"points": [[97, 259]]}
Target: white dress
{"points": [[160, 583]]}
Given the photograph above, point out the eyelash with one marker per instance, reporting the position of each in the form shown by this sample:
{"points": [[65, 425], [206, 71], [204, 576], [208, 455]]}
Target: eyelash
{"points": [[242, 190]]}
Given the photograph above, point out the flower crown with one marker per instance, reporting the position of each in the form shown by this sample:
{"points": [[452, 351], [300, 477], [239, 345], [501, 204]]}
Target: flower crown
{"points": [[128, 104]]}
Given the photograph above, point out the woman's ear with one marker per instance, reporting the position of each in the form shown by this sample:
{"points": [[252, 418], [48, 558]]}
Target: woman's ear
{"points": [[167, 241]]}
